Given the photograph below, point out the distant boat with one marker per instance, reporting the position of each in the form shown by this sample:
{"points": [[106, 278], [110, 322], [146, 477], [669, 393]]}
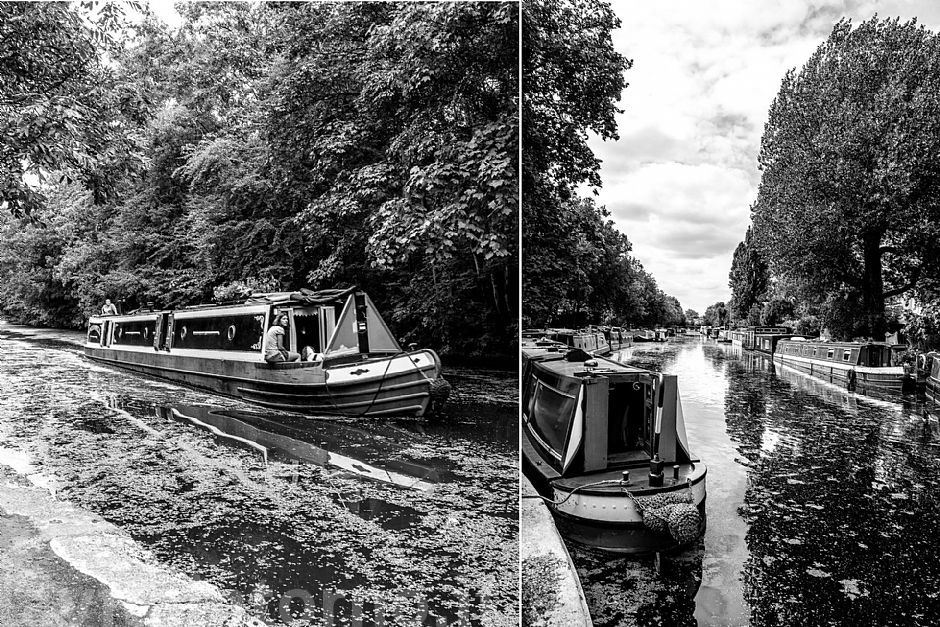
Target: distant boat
{"points": [[931, 369], [594, 340], [605, 444], [866, 366], [352, 366], [644, 335]]}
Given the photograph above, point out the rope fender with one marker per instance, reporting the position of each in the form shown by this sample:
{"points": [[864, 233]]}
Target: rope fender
{"points": [[674, 512]]}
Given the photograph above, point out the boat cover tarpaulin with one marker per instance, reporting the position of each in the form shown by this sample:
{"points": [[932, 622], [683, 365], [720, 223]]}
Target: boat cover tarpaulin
{"points": [[302, 297]]}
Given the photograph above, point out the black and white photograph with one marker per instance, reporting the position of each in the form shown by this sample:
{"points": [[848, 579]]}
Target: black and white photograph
{"points": [[259, 302], [489, 313], [730, 221]]}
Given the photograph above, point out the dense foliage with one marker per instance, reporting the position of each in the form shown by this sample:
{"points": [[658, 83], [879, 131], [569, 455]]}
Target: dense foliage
{"points": [[268, 146], [576, 266], [848, 210]]}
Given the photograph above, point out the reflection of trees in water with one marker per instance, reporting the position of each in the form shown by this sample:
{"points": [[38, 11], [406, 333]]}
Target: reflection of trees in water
{"points": [[627, 591], [745, 407], [841, 524]]}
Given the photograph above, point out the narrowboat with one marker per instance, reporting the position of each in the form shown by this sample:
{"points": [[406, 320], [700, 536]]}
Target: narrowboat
{"points": [[766, 341], [643, 335], [868, 366], [606, 447], [659, 335], [754, 337], [352, 364], [593, 342], [618, 338], [930, 364]]}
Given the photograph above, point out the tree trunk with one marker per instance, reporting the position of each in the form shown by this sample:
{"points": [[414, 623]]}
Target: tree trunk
{"points": [[873, 300]]}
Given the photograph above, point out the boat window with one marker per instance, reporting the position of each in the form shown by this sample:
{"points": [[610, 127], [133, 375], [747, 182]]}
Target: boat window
{"points": [[238, 332], [551, 410], [831, 353], [94, 334], [846, 354], [134, 332]]}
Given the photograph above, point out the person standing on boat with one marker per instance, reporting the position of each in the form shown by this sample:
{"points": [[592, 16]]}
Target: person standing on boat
{"points": [[108, 309], [274, 350]]}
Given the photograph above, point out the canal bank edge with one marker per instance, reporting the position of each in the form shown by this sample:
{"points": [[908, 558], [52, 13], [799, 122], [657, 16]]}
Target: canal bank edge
{"points": [[80, 562], [551, 590]]}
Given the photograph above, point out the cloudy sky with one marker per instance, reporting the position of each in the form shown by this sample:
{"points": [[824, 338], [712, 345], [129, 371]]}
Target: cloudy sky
{"points": [[683, 175]]}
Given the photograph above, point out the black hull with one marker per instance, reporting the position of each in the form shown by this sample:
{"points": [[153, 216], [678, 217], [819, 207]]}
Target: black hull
{"points": [[403, 394]]}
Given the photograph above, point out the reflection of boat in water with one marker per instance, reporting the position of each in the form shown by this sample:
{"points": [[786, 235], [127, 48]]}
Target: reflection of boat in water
{"points": [[333, 445], [606, 445], [853, 365], [352, 365], [818, 388]]}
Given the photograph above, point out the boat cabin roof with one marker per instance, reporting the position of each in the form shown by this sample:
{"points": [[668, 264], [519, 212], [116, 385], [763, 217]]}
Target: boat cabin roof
{"points": [[554, 357]]}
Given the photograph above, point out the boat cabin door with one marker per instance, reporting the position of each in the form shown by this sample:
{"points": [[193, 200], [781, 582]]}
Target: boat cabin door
{"points": [[874, 356], [162, 332]]}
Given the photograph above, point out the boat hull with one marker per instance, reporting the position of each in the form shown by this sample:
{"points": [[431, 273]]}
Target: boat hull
{"points": [[885, 379], [606, 518], [398, 385]]}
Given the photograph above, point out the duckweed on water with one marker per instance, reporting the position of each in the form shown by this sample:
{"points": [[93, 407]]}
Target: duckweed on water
{"points": [[286, 538]]}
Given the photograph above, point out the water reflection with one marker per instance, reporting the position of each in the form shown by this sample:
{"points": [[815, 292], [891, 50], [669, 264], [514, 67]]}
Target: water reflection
{"points": [[281, 511], [331, 444], [822, 504]]}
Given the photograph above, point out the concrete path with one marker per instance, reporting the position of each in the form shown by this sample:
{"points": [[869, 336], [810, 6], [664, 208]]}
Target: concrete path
{"points": [[551, 591], [62, 565]]}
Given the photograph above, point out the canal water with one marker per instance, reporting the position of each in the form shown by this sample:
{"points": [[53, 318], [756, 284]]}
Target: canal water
{"points": [[823, 506], [302, 520]]}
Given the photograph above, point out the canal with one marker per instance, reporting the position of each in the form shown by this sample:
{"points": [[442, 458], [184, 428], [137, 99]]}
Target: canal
{"points": [[301, 520], [823, 506]]}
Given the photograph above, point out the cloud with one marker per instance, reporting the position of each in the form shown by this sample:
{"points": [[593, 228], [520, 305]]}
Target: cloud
{"points": [[684, 173]]}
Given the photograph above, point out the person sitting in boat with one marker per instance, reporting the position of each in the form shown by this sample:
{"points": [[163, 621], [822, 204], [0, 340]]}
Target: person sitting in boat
{"points": [[108, 309], [274, 350]]}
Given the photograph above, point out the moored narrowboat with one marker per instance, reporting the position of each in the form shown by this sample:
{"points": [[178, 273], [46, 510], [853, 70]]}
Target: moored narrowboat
{"points": [[643, 335], [605, 445], [868, 366], [764, 338], [767, 342], [352, 364], [931, 369]]}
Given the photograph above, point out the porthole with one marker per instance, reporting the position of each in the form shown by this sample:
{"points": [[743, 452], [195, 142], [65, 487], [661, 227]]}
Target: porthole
{"points": [[146, 333], [118, 333], [183, 332], [230, 334]]}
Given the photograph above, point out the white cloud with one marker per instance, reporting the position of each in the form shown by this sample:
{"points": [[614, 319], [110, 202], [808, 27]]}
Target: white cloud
{"points": [[682, 177]]}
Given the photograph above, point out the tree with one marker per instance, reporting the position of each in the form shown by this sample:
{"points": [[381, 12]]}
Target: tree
{"points": [[748, 278], [572, 77], [290, 145], [62, 110], [848, 206], [716, 315]]}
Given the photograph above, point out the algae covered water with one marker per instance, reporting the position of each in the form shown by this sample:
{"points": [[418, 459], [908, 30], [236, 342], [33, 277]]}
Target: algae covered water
{"points": [[301, 520], [822, 505]]}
